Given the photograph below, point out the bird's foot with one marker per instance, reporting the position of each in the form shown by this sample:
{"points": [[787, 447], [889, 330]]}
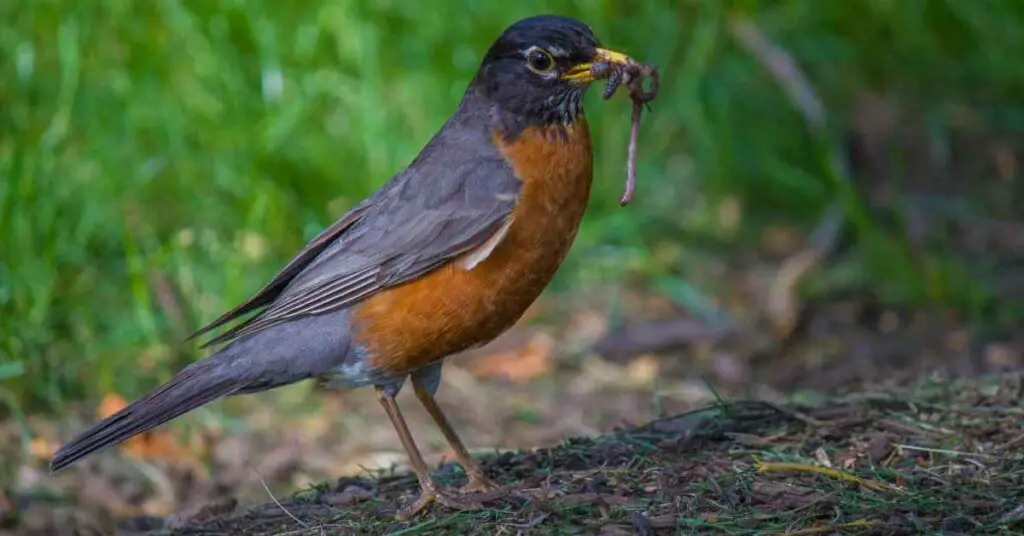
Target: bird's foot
{"points": [[431, 493], [478, 483]]}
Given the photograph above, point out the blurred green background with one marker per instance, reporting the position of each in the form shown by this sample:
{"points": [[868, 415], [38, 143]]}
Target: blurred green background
{"points": [[160, 160]]}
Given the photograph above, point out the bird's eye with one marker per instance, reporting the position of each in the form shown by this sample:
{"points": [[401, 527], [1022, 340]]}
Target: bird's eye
{"points": [[539, 60]]}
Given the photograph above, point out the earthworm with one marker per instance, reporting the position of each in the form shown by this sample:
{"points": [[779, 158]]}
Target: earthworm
{"points": [[632, 76]]}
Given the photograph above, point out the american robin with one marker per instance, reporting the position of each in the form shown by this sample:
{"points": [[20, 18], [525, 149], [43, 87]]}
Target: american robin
{"points": [[446, 256]]}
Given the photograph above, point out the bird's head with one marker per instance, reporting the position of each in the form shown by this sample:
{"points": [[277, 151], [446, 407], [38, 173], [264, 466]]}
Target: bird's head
{"points": [[539, 69]]}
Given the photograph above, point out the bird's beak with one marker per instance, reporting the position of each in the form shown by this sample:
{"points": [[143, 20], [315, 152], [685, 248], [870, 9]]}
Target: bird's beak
{"points": [[597, 68]]}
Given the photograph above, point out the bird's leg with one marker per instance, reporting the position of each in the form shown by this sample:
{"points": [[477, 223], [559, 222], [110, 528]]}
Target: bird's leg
{"points": [[429, 490], [478, 481]]}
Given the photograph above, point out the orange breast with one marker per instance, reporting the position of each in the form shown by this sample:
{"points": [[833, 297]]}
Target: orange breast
{"points": [[453, 308]]}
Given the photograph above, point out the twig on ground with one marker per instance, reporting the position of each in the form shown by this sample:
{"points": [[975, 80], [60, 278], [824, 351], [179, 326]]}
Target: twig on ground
{"points": [[764, 467], [278, 503], [944, 451]]}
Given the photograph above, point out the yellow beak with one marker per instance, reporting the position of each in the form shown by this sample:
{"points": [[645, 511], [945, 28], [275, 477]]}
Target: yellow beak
{"points": [[584, 73]]}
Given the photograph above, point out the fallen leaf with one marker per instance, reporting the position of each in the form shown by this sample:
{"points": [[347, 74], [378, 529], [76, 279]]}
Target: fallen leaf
{"points": [[149, 445], [42, 448], [111, 404], [1000, 356], [643, 370], [784, 305], [880, 446], [822, 457], [154, 445], [519, 365]]}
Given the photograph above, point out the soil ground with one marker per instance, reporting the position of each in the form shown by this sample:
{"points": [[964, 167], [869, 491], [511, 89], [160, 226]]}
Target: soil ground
{"points": [[943, 459]]}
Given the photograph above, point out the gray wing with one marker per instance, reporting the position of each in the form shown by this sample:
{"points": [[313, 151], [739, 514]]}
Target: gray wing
{"points": [[416, 223], [277, 284]]}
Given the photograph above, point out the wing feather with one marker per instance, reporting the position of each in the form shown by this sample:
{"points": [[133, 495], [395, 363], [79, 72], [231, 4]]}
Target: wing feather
{"points": [[405, 231], [280, 280]]}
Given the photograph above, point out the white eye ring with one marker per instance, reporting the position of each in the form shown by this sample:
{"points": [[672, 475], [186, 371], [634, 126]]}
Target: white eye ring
{"points": [[539, 60]]}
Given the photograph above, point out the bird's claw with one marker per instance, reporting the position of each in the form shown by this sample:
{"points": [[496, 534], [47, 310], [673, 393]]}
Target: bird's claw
{"points": [[430, 494], [478, 483]]}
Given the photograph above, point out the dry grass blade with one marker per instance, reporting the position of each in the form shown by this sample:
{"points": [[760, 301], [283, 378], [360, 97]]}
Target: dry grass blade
{"points": [[764, 467], [787, 74]]}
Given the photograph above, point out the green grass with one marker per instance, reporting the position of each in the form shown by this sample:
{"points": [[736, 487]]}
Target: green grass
{"points": [[160, 160]]}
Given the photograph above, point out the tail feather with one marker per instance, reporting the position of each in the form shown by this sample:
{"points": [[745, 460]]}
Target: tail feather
{"points": [[288, 353], [189, 389]]}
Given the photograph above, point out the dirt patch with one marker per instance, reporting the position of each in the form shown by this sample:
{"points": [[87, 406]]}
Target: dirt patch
{"points": [[943, 458]]}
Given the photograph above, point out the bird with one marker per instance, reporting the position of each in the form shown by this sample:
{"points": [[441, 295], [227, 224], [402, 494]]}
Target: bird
{"points": [[444, 257]]}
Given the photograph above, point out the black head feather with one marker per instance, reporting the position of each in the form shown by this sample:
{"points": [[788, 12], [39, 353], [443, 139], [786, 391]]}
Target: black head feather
{"points": [[520, 74]]}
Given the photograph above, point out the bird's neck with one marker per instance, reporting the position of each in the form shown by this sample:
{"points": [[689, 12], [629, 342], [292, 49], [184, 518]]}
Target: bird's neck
{"points": [[557, 115]]}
